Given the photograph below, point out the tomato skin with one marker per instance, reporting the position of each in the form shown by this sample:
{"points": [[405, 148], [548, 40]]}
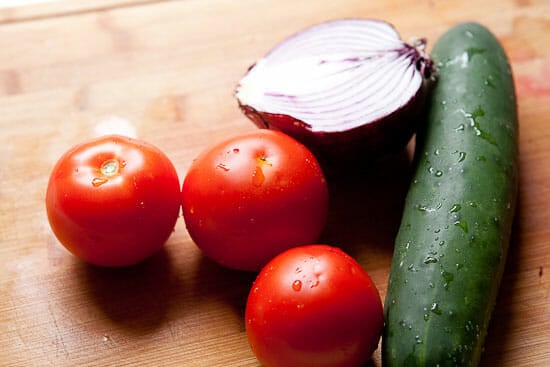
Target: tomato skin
{"points": [[113, 201], [253, 195], [313, 305]]}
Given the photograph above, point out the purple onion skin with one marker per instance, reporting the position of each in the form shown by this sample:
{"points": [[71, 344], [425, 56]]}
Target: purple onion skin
{"points": [[389, 133]]}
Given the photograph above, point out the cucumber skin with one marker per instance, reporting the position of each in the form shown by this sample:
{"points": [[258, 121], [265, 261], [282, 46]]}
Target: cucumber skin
{"points": [[454, 235]]}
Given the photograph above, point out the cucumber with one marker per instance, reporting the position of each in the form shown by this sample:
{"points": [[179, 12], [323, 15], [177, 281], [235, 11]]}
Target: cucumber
{"points": [[455, 230]]}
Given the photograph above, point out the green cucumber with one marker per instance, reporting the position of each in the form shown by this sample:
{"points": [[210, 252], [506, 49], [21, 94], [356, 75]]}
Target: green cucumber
{"points": [[455, 231]]}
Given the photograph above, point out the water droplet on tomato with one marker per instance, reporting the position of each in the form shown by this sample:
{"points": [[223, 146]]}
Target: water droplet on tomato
{"points": [[98, 181], [297, 285], [314, 284], [258, 177], [222, 166]]}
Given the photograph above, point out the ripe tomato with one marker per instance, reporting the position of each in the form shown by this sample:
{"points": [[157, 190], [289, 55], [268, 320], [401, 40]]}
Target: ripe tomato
{"points": [[313, 306], [252, 196], [113, 201]]}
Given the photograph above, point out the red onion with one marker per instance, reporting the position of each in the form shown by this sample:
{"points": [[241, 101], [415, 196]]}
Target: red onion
{"points": [[342, 87]]}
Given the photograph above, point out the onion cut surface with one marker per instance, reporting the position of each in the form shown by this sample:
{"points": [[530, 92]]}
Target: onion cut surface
{"points": [[335, 77]]}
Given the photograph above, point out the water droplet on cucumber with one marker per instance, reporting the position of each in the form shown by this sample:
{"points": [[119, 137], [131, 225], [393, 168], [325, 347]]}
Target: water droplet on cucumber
{"points": [[430, 259], [435, 309], [455, 208], [462, 224]]}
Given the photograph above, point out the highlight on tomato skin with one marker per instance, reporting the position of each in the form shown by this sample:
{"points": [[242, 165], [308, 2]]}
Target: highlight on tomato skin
{"points": [[113, 201], [313, 306], [253, 195]]}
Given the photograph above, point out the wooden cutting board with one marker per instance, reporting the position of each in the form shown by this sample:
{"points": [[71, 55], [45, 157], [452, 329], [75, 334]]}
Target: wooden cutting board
{"points": [[165, 72]]}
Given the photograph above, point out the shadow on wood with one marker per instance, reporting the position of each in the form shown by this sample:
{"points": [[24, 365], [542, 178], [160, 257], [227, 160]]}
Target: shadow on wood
{"points": [[366, 204], [137, 298]]}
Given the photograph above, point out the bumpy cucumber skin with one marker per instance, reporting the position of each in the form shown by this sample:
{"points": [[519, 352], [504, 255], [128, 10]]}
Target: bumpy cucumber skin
{"points": [[454, 235]]}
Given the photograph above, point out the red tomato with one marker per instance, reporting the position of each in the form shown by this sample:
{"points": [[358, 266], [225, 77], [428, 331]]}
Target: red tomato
{"points": [[113, 201], [313, 306], [252, 196]]}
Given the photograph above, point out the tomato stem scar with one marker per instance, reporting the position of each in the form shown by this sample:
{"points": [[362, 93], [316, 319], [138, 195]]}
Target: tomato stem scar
{"points": [[110, 167]]}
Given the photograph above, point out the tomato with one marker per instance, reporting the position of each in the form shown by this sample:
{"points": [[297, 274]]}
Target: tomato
{"points": [[253, 195], [313, 306], [113, 201]]}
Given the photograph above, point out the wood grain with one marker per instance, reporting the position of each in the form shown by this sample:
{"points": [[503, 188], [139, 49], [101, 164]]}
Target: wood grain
{"points": [[30, 10], [165, 71]]}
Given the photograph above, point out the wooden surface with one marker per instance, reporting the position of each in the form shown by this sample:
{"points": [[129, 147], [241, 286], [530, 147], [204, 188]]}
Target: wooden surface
{"points": [[165, 71]]}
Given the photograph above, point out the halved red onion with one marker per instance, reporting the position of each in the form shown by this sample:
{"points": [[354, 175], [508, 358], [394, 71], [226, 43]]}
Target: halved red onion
{"points": [[343, 87]]}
